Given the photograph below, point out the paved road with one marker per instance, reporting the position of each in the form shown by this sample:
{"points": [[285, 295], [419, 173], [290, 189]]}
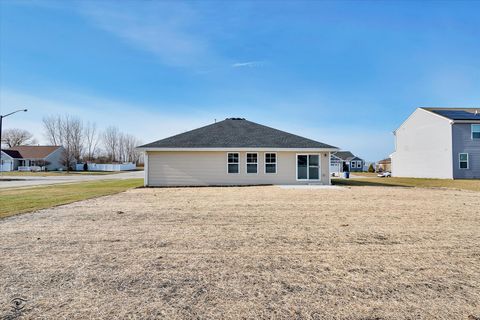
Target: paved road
{"points": [[29, 181]]}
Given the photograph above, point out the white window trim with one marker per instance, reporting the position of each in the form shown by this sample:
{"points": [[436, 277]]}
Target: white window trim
{"points": [[471, 130], [265, 162], [308, 166], [460, 161], [353, 165], [247, 163], [237, 163]]}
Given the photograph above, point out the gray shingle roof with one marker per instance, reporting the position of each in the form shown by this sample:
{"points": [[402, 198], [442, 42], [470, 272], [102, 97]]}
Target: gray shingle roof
{"points": [[457, 113], [12, 153], [30, 152], [346, 155], [236, 133]]}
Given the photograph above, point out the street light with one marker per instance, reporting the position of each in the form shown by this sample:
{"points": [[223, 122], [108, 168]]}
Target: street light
{"points": [[1, 120]]}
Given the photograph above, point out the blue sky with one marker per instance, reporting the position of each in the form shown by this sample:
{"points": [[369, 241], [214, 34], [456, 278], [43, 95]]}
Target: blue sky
{"points": [[344, 73]]}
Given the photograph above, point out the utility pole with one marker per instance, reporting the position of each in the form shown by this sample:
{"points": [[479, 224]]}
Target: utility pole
{"points": [[1, 120]]}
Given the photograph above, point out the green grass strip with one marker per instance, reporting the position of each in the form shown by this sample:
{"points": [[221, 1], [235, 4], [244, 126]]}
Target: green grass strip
{"points": [[19, 200]]}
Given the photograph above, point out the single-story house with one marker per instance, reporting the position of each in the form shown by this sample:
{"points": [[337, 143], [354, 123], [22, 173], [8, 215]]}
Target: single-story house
{"points": [[441, 143], [345, 161], [236, 152], [28, 158], [384, 165]]}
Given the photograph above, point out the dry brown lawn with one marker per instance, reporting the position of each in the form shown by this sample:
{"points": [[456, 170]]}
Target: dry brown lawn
{"points": [[250, 253]]}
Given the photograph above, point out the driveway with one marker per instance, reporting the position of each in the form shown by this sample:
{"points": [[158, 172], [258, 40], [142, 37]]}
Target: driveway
{"points": [[30, 181]]}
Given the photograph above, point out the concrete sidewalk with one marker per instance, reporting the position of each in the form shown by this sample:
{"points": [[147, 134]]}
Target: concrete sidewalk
{"points": [[31, 181]]}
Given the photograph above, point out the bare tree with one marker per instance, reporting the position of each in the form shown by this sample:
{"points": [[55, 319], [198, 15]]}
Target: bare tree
{"points": [[52, 130], [111, 138], [66, 131], [131, 152], [76, 136], [121, 151], [91, 140], [17, 137], [82, 141]]}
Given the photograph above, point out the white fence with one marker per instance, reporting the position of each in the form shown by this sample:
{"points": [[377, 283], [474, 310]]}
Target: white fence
{"points": [[107, 166], [29, 168]]}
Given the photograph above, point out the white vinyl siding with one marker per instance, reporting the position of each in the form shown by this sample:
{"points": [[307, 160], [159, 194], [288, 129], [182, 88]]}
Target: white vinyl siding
{"points": [[423, 147], [198, 168]]}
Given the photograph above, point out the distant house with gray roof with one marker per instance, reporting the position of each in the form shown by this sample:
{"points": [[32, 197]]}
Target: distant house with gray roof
{"points": [[28, 158], [236, 152], [345, 161], [438, 143]]}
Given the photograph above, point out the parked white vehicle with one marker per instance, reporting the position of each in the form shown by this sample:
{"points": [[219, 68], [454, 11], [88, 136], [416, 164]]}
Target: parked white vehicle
{"points": [[385, 174]]}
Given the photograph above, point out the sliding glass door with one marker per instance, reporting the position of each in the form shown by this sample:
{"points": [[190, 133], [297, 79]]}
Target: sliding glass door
{"points": [[308, 167]]}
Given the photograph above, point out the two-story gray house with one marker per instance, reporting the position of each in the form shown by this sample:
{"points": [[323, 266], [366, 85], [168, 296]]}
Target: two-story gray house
{"points": [[439, 143]]}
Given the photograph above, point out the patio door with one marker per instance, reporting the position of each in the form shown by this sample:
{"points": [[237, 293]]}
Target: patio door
{"points": [[308, 167]]}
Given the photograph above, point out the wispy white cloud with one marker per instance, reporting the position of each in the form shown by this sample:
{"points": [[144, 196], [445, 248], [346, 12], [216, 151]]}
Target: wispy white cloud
{"points": [[177, 33], [167, 30], [248, 64]]}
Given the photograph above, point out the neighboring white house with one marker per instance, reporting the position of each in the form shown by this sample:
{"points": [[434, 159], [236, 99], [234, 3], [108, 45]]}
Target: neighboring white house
{"points": [[438, 143], [27, 158], [236, 152]]}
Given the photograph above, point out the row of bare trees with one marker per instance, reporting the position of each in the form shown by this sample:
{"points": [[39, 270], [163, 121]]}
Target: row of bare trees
{"points": [[83, 142], [120, 146], [67, 132]]}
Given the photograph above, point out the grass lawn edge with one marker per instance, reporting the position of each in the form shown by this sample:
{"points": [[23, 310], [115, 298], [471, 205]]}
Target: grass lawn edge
{"points": [[30, 199]]}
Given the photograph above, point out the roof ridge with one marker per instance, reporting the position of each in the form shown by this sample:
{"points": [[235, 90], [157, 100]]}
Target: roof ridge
{"points": [[293, 134]]}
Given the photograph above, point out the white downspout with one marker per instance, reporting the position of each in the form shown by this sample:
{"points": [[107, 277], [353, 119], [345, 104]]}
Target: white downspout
{"points": [[145, 170]]}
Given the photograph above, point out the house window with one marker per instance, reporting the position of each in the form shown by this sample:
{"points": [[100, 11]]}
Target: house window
{"points": [[252, 162], [475, 131], [270, 163], [233, 159], [463, 158], [359, 164], [353, 164], [308, 167]]}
